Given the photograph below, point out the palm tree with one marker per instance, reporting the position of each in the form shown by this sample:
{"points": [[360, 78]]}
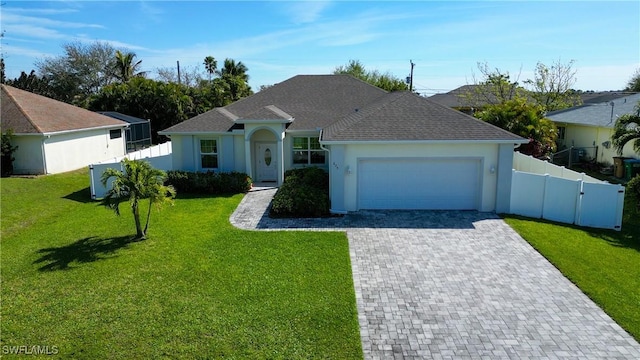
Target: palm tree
{"points": [[211, 65], [233, 69], [125, 66], [627, 128], [234, 75], [138, 181]]}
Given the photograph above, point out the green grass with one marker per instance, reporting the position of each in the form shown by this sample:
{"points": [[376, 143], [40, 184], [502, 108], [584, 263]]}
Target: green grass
{"points": [[604, 264], [197, 288]]}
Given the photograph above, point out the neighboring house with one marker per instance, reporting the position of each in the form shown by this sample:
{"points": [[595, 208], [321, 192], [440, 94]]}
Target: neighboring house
{"points": [[467, 98], [459, 99], [382, 150], [54, 137], [138, 134], [589, 127]]}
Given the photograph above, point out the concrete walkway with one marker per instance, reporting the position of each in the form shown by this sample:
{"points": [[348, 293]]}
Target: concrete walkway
{"points": [[456, 285]]}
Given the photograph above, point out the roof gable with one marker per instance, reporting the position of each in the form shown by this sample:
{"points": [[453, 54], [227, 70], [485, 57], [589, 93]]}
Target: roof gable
{"points": [[29, 113], [404, 116]]}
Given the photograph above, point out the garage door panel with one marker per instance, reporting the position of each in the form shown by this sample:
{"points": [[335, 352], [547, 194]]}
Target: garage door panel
{"points": [[433, 184]]}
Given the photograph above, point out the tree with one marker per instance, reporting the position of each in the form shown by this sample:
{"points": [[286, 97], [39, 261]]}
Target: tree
{"points": [[495, 87], [634, 83], [626, 129], [190, 76], [384, 81], [210, 65], [165, 104], [235, 79], [7, 153], [125, 67], [551, 86], [526, 120], [82, 71], [137, 182], [2, 74], [32, 83]]}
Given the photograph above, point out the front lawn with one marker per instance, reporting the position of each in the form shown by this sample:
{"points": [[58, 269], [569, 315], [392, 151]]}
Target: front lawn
{"points": [[605, 264], [197, 288]]}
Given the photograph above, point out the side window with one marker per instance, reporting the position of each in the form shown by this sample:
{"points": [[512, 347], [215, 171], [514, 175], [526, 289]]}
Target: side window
{"points": [[208, 154], [115, 134]]}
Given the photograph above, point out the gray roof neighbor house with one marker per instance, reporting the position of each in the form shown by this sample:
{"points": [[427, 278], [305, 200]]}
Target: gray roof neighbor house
{"points": [[603, 114]]}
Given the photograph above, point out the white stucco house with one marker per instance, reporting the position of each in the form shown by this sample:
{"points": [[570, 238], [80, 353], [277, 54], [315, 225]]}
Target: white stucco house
{"points": [[590, 126], [382, 150], [54, 137]]}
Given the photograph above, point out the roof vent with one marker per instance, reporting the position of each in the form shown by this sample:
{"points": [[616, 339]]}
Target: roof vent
{"points": [[356, 110]]}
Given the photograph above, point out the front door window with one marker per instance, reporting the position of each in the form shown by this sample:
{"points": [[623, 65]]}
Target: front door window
{"points": [[267, 157]]}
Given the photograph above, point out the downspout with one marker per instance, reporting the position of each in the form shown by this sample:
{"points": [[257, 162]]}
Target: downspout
{"points": [[322, 146]]}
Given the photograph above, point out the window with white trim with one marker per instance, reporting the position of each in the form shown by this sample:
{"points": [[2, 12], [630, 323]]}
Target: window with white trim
{"points": [[208, 154], [307, 151]]}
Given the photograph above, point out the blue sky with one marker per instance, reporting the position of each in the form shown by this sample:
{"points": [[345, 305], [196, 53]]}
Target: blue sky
{"points": [[278, 39]]}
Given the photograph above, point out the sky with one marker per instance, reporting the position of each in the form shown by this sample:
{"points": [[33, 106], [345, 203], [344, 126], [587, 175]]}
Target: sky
{"points": [[279, 39]]}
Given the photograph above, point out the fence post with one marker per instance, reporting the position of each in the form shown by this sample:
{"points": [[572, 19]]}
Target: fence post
{"points": [[579, 202], [570, 156]]}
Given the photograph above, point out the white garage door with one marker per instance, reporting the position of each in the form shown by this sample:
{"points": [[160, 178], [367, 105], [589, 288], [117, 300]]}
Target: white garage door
{"points": [[419, 183]]}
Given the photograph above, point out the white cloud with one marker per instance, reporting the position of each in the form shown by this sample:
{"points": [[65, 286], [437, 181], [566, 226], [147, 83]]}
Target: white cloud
{"points": [[302, 12], [43, 11], [10, 18], [11, 51], [33, 31]]}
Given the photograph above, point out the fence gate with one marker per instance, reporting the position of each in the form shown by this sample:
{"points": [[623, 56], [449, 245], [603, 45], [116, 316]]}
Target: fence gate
{"points": [[577, 202]]}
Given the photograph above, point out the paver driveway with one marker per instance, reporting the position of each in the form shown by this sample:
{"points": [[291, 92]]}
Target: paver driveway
{"points": [[457, 285]]}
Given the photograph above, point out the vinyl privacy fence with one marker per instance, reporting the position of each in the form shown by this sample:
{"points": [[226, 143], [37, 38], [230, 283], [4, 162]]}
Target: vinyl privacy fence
{"points": [[555, 196], [159, 156]]}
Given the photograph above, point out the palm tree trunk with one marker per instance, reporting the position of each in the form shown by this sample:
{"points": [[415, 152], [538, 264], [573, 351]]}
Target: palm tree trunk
{"points": [[146, 226], [140, 234]]}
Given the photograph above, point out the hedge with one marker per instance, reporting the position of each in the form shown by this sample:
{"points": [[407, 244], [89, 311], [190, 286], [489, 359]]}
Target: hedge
{"points": [[304, 193], [208, 182]]}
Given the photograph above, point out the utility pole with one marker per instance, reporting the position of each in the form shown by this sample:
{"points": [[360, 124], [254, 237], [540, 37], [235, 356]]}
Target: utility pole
{"points": [[178, 62], [411, 76]]}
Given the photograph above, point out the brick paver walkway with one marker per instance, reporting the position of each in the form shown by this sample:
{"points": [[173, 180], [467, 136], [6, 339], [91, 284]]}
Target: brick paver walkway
{"points": [[457, 285]]}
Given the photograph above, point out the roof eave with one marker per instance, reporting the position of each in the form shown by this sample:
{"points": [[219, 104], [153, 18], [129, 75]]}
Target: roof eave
{"points": [[62, 132], [363, 142], [263, 121], [188, 133]]}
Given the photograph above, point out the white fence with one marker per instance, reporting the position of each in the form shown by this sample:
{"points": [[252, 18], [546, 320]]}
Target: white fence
{"points": [[563, 195], [159, 156], [526, 163]]}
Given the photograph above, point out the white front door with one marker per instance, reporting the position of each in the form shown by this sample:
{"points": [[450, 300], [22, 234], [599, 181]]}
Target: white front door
{"points": [[266, 162]]}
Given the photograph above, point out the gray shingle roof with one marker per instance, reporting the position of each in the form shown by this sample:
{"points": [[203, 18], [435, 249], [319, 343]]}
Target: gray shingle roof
{"points": [[29, 113], [404, 116], [597, 114], [347, 109], [312, 100]]}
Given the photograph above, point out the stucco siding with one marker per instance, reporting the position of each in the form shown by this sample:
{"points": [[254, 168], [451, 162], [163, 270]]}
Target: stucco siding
{"points": [[239, 155], [353, 152], [28, 156], [586, 136], [70, 151]]}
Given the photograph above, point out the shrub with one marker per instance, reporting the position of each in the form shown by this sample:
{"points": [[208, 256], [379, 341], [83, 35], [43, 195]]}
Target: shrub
{"points": [[208, 182], [633, 188], [6, 168], [304, 193]]}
